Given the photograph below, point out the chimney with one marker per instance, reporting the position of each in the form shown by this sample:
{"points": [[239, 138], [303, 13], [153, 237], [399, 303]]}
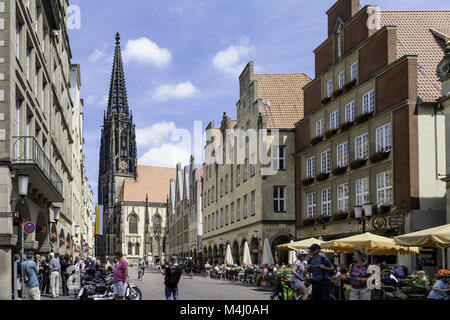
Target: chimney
{"points": [[344, 9]]}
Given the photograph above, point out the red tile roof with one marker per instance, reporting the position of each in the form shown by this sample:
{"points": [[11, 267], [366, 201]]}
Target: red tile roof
{"points": [[284, 94]]}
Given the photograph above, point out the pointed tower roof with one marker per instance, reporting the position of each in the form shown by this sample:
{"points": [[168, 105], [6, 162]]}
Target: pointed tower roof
{"points": [[118, 101]]}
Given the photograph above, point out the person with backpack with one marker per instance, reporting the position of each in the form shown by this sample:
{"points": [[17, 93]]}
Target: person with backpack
{"points": [[29, 273], [359, 276], [172, 275], [320, 267], [298, 277]]}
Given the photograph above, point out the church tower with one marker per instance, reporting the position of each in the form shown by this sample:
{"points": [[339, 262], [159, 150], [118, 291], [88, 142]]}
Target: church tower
{"points": [[118, 154]]}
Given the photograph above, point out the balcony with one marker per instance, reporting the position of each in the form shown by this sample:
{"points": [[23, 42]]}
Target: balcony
{"points": [[30, 159]]}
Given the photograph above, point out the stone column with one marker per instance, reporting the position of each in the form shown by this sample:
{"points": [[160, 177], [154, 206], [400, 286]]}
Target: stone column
{"points": [[7, 238]]}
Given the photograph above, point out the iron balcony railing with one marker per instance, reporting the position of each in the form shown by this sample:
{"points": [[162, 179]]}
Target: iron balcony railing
{"points": [[27, 151]]}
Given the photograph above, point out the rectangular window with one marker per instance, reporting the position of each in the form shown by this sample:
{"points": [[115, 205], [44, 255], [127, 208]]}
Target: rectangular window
{"points": [[246, 170], [342, 155], [253, 203], [28, 63], [341, 79], [362, 191], [334, 120], [280, 159], [384, 138], [384, 188], [311, 168], [245, 207], [253, 165], [362, 147], [18, 28], [369, 102], [319, 128], [221, 218], [350, 112], [221, 187], [311, 205], [329, 88], [35, 81], [227, 216], [343, 198], [232, 213], [238, 175], [279, 199], [354, 71], [326, 202], [217, 220], [325, 162], [238, 210]]}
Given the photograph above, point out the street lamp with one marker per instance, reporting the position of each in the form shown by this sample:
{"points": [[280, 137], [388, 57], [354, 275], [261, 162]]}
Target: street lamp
{"points": [[56, 213], [23, 185], [367, 209]]}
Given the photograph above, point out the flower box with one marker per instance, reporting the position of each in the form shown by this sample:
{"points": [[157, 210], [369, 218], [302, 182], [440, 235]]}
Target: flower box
{"points": [[316, 140], [339, 216], [351, 215], [346, 126], [322, 176], [380, 156], [349, 85], [326, 100], [359, 163], [363, 118], [309, 222], [337, 93], [339, 171], [383, 209], [307, 182], [331, 133]]}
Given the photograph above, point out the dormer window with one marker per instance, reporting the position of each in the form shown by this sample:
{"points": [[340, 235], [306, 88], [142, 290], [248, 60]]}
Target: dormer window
{"points": [[338, 38]]}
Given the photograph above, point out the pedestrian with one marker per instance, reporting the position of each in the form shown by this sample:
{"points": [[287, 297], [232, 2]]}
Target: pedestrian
{"points": [[80, 265], [399, 272], [37, 260], [30, 274], [18, 261], [441, 288], [298, 275], [320, 268], [359, 276], [55, 268], [172, 275], [120, 277], [45, 264], [141, 268], [65, 263]]}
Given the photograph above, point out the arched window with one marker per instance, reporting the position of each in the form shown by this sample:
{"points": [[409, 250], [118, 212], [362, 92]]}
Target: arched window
{"points": [[157, 223], [130, 249], [133, 224], [137, 249]]}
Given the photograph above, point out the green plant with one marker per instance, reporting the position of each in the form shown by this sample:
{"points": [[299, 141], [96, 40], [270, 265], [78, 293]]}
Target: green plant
{"points": [[346, 126], [339, 216], [339, 171], [363, 117], [337, 93], [417, 285], [269, 280], [349, 85], [380, 156], [308, 181], [309, 222], [358, 163], [326, 100], [331, 133], [322, 176], [316, 140]]}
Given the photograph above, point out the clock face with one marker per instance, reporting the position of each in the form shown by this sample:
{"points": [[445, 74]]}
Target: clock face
{"points": [[123, 165]]}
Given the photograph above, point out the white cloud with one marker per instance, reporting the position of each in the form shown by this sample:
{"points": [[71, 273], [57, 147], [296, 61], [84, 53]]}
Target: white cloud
{"points": [[155, 134], [143, 50], [233, 59], [179, 91], [100, 53], [168, 155], [104, 101]]}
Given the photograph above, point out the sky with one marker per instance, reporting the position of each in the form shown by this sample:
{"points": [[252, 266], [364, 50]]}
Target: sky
{"points": [[182, 60]]}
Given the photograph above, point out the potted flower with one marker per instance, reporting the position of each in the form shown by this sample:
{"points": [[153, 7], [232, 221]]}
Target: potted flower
{"points": [[309, 222], [349, 85], [339, 216], [316, 140], [338, 171], [326, 100], [417, 288], [337, 93], [358, 163], [363, 117], [322, 176], [346, 126], [308, 181], [331, 133], [383, 208], [380, 156]]}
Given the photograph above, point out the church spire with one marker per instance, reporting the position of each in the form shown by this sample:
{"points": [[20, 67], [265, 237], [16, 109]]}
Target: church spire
{"points": [[118, 101]]}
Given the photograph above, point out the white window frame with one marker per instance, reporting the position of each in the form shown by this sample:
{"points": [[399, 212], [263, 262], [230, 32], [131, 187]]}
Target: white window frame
{"points": [[329, 88], [280, 159], [320, 128], [245, 206], [384, 188], [311, 167], [325, 162], [368, 102], [325, 196], [238, 175], [350, 112], [343, 195], [384, 138], [362, 192], [354, 71], [342, 155], [311, 205], [232, 213], [334, 120], [341, 78], [253, 203], [362, 146], [279, 200], [238, 209]]}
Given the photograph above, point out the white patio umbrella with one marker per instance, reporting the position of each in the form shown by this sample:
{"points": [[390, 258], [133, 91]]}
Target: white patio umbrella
{"points": [[228, 256], [291, 257], [267, 254], [247, 259]]}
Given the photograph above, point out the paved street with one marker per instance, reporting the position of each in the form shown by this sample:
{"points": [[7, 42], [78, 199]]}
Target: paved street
{"points": [[198, 288]]}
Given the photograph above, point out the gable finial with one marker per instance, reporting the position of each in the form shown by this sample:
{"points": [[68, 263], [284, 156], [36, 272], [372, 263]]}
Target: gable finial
{"points": [[117, 38]]}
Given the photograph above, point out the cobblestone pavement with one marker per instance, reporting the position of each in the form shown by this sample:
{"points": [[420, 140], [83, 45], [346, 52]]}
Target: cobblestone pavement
{"points": [[197, 288]]}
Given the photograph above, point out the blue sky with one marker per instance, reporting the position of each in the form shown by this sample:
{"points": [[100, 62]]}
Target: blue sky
{"points": [[183, 58]]}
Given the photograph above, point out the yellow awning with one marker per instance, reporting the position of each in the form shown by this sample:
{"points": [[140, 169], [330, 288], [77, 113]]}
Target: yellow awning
{"points": [[429, 238], [303, 244], [372, 244]]}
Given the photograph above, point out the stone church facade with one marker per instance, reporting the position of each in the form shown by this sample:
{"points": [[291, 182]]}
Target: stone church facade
{"points": [[134, 198]]}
